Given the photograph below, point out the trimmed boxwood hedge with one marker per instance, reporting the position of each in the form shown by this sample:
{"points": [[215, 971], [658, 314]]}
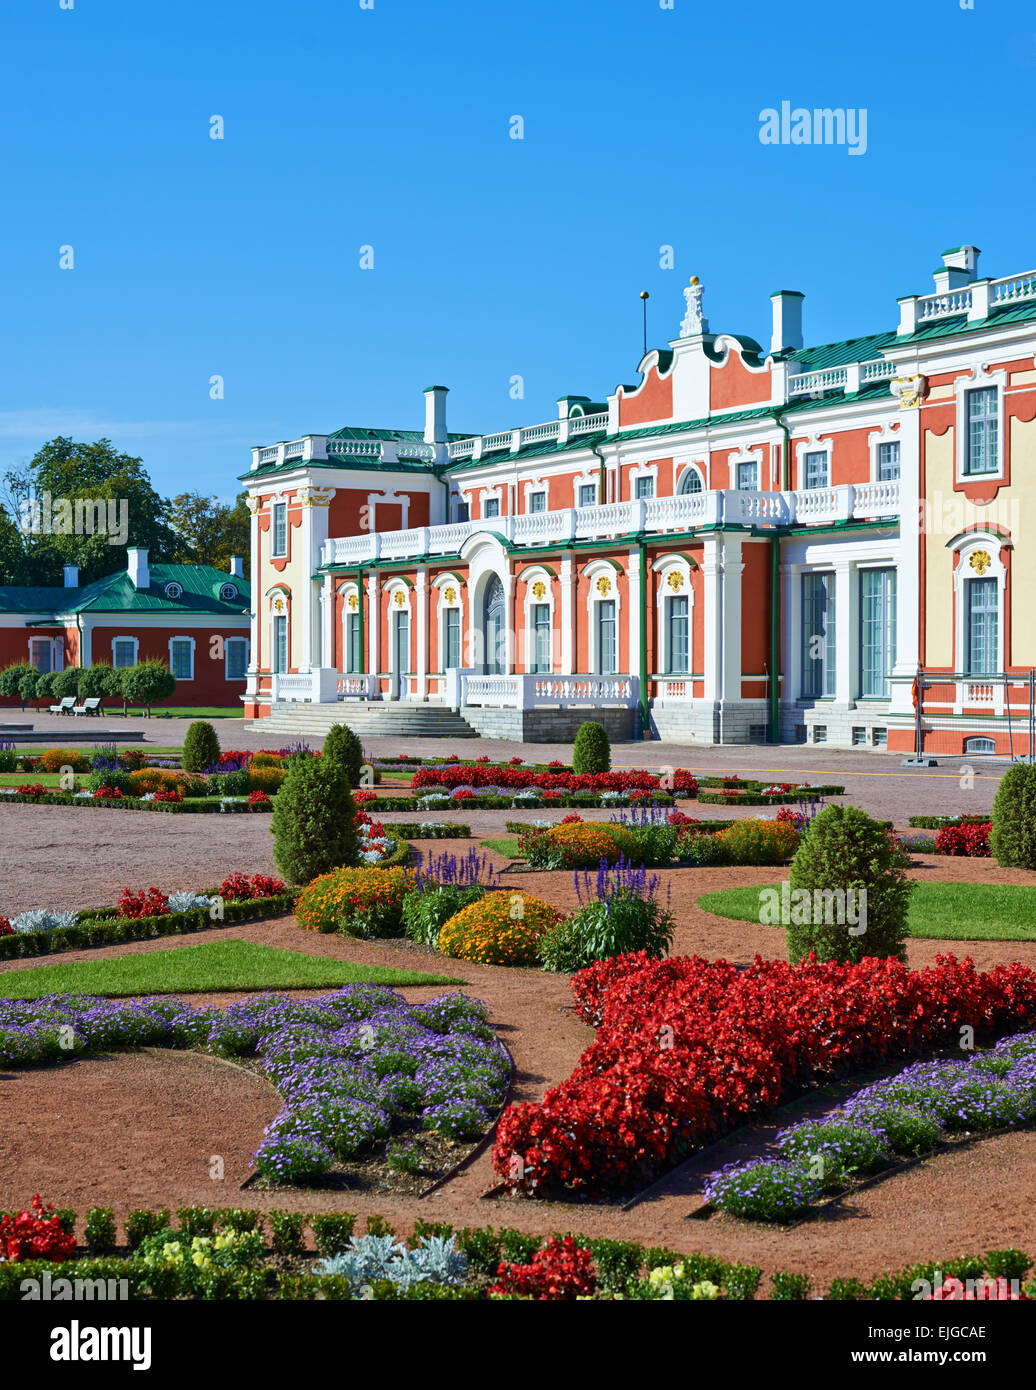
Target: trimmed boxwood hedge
{"points": [[193, 804], [715, 797], [941, 822], [105, 928], [568, 800]]}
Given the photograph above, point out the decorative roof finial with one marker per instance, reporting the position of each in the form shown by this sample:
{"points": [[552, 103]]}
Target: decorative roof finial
{"points": [[694, 322]]}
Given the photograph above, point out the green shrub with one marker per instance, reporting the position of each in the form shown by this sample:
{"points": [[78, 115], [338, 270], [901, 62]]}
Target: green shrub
{"points": [[140, 1224], [625, 921], [741, 1282], [313, 822], [1012, 841], [789, 1288], [286, 1231], [100, 1230], [98, 681], [517, 1247], [66, 1220], [332, 1232], [617, 1263], [1007, 1264], [342, 747], [423, 1229], [235, 783], [147, 683], [845, 1290], [429, 905], [378, 1226], [238, 1219], [481, 1245], [200, 747], [845, 851], [591, 751], [196, 1221], [66, 682]]}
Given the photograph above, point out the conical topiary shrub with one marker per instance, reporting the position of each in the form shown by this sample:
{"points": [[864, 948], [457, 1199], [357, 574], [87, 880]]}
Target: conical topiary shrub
{"points": [[591, 751], [1012, 841], [849, 893], [200, 747], [341, 746], [313, 822]]}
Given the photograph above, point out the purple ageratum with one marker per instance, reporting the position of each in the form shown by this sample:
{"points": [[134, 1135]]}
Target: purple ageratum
{"points": [[345, 1064]]}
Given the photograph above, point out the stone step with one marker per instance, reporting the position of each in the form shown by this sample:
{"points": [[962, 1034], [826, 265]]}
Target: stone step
{"points": [[416, 721]]}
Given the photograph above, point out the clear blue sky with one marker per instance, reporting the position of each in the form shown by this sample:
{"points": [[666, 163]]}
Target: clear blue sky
{"points": [[492, 257]]}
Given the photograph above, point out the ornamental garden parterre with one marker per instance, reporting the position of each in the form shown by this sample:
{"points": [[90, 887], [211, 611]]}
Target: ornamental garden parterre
{"points": [[398, 999]]}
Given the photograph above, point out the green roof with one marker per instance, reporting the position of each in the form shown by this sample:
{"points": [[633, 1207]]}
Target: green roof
{"points": [[116, 593]]}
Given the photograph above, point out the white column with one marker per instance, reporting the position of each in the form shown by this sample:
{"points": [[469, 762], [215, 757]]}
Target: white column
{"points": [[636, 579], [327, 611], [258, 605], [374, 629], [568, 640], [733, 620], [509, 611], [846, 628], [713, 654], [908, 562], [421, 599]]}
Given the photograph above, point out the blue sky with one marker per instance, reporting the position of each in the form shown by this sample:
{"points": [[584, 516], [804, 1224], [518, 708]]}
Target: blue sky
{"points": [[493, 257]]}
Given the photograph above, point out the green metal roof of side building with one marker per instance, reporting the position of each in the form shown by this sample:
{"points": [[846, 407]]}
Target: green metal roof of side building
{"points": [[116, 593]]}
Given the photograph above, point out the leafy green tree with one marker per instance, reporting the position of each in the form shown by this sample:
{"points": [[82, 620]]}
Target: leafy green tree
{"points": [[147, 683], [342, 747], [209, 531], [27, 685], [66, 682], [11, 678], [1012, 841], [200, 747], [313, 821], [44, 692], [99, 681], [591, 751]]}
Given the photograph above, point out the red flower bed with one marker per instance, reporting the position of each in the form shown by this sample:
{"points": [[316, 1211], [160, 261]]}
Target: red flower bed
{"points": [[107, 794], [236, 756], [515, 778], [688, 1049], [33, 789], [258, 798], [170, 796], [5, 927], [239, 885], [560, 1269], [35, 1235], [361, 796], [150, 902], [971, 840]]}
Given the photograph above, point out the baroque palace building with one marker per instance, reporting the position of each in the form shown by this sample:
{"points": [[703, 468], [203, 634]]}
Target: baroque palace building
{"points": [[749, 545]]}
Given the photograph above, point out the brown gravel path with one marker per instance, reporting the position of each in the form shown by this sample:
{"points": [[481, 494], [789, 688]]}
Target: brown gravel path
{"points": [[141, 1129]]}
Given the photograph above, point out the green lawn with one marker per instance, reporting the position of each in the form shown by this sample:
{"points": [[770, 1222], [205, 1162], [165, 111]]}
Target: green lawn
{"points": [[507, 847], [219, 965], [947, 911], [26, 779]]}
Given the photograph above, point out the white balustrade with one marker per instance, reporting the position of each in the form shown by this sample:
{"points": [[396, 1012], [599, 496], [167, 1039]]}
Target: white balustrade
{"points": [[877, 371], [588, 424], [530, 691], [534, 434], [876, 499], [356, 687], [356, 448], [496, 441], [461, 448], [1014, 287], [940, 306], [808, 383]]}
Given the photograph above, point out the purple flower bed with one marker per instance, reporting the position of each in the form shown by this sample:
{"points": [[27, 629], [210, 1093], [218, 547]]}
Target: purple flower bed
{"points": [[902, 1116], [346, 1064]]}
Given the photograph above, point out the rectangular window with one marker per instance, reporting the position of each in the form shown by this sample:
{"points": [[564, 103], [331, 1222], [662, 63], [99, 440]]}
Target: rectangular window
{"points": [[888, 461], [279, 541], [352, 644], [983, 453], [280, 644], [463, 511], [491, 506], [981, 615], [588, 494], [877, 631], [537, 501], [815, 469], [607, 645], [645, 487], [40, 654], [542, 636], [748, 477], [236, 650], [181, 658], [124, 653], [677, 649], [452, 638], [818, 635]]}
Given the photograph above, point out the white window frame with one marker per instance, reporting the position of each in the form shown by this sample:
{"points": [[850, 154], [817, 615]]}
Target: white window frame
{"points": [[580, 484], [182, 637], [673, 565], [979, 380], [644, 470], [529, 578], [56, 645], [990, 542], [812, 447], [225, 597], [285, 596], [592, 573], [443, 582], [274, 553], [226, 658], [487, 499], [886, 435], [684, 470], [539, 485], [136, 651]]}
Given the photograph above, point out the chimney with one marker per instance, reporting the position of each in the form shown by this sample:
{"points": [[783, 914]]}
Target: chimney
{"points": [[959, 267], [71, 576], [435, 414], [787, 320], [136, 563], [237, 567]]}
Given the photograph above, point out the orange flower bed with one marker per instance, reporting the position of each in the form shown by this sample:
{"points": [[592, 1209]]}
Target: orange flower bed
{"points": [[155, 779], [583, 844], [503, 928], [363, 901]]}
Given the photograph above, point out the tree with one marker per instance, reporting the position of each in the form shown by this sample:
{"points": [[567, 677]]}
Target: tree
{"points": [[66, 682], [27, 683], [1012, 841], [342, 747], [44, 688], [313, 822], [11, 679], [147, 682], [848, 866], [209, 531], [591, 751], [200, 747], [97, 682]]}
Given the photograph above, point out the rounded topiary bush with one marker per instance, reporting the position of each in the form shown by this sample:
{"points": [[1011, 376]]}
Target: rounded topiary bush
{"points": [[1012, 841], [848, 867], [503, 928], [362, 901], [200, 747], [591, 751], [343, 748], [313, 822]]}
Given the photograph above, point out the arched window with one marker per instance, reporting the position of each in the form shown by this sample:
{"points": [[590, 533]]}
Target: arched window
{"points": [[691, 481], [979, 745], [494, 626]]}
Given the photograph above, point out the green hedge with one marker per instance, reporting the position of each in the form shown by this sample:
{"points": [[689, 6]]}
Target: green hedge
{"points": [[105, 928], [193, 804], [940, 822], [446, 831], [711, 797], [567, 800]]}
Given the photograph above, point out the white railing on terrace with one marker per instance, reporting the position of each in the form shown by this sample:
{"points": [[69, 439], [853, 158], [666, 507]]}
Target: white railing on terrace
{"points": [[587, 424], [528, 691], [654, 516], [804, 383], [497, 441], [941, 306], [1014, 287], [355, 448], [880, 370]]}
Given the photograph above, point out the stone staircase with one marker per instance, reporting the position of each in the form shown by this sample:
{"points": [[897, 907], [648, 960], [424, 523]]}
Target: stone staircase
{"points": [[376, 719]]}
